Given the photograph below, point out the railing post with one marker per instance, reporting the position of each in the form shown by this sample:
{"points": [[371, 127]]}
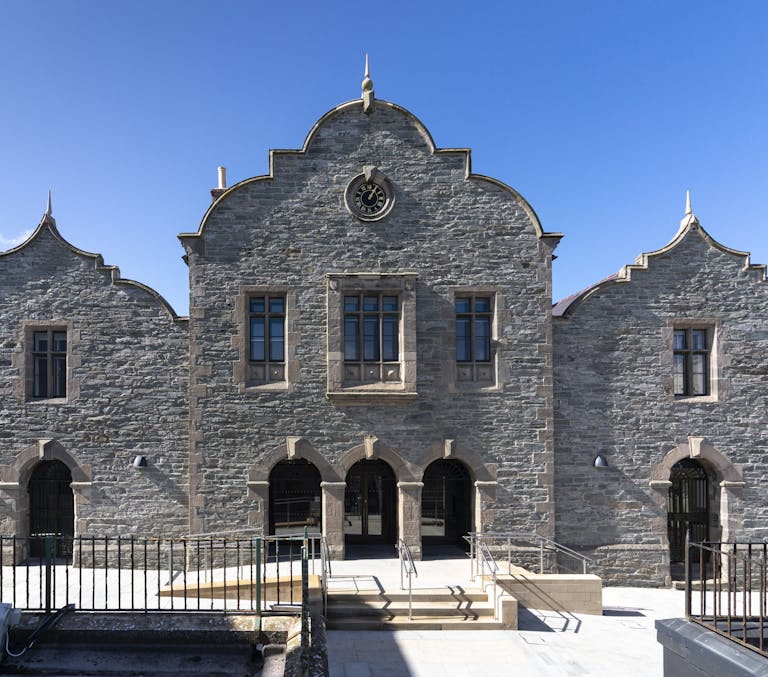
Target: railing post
{"points": [[48, 557], [304, 605], [541, 556], [257, 541], [687, 577]]}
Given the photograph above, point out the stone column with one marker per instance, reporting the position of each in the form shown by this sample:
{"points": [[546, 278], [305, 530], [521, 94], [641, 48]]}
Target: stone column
{"points": [[258, 515], [409, 516], [730, 496], [660, 497], [333, 517], [485, 496]]}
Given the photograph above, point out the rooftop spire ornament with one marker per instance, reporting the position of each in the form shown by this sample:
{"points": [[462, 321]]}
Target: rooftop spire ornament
{"points": [[48, 216], [367, 89], [690, 217]]}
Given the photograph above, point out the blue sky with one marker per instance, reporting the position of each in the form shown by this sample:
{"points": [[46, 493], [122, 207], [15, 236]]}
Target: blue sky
{"points": [[600, 113]]}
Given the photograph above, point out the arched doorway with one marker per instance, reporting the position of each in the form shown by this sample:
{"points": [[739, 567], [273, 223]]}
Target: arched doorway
{"points": [[51, 508], [295, 498], [687, 506], [370, 503], [446, 503]]}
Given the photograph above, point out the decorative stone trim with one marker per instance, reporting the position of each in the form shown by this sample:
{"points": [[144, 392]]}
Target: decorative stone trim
{"points": [[660, 485], [254, 484], [409, 484], [728, 484]]}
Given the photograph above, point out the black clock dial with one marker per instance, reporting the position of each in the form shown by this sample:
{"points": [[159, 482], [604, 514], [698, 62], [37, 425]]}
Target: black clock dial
{"points": [[370, 198]]}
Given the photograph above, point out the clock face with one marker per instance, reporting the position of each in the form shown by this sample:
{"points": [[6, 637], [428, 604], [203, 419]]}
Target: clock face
{"points": [[369, 199]]}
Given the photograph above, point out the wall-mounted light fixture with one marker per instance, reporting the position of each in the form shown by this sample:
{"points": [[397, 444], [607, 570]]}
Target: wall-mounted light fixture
{"points": [[140, 462], [600, 461]]}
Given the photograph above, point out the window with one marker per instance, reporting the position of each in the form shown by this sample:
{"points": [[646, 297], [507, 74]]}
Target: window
{"points": [[474, 329], [371, 337], [691, 361], [49, 364], [266, 321]]}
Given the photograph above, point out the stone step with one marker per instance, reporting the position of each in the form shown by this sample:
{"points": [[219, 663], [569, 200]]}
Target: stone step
{"points": [[418, 623], [340, 611], [422, 595]]}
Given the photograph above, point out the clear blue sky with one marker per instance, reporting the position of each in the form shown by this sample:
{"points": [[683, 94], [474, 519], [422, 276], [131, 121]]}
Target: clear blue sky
{"points": [[601, 114]]}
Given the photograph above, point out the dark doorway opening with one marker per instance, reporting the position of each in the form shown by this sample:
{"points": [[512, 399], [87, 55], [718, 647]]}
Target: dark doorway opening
{"points": [[446, 504], [370, 504], [687, 506], [295, 498], [51, 509]]}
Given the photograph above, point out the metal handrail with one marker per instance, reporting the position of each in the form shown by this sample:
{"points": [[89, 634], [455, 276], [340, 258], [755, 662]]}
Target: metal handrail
{"points": [[507, 538], [325, 561], [488, 559], [408, 567]]}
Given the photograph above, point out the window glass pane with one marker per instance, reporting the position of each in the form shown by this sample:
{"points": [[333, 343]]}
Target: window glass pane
{"points": [[483, 305], [59, 377], [276, 339], [351, 303], [679, 374], [351, 346], [463, 339], [257, 304], [699, 339], [60, 342], [699, 374], [389, 339], [680, 342], [462, 305], [257, 339], [371, 338], [370, 303], [40, 386], [277, 304], [389, 303], [483, 339], [41, 341]]}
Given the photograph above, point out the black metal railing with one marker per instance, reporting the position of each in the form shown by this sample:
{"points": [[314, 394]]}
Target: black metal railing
{"points": [[732, 597], [125, 573]]}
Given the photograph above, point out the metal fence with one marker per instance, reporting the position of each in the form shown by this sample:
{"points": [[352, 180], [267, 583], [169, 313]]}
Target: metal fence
{"points": [[725, 590], [123, 573]]}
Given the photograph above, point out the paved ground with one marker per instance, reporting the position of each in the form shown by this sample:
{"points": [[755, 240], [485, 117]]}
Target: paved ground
{"points": [[620, 643]]}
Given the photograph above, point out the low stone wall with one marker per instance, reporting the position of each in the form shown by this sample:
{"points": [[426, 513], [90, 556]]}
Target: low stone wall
{"points": [[577, 593]]}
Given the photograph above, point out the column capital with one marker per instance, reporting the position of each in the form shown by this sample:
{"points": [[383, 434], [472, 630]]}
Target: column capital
{"points": [[323, 485], [410, 484]]}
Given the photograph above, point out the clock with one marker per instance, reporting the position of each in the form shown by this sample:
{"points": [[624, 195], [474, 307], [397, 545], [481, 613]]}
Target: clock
{"points": [[369, 196]]}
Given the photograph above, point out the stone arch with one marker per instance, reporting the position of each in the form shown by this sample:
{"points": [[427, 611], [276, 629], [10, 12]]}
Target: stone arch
{"points": [[372, 448], [294, 447], [726, 482], [479, 470], [15, 481]]}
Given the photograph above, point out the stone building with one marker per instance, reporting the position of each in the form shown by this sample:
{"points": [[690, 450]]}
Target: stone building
{"points": [[371, 352]]}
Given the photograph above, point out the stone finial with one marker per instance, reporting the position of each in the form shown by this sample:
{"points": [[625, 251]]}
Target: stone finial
{"points": [[367, 89], [690, 218], [48, 216]]}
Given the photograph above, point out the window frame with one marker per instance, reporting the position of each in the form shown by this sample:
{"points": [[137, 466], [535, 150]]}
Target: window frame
{"points": [[24, 388], [352, 381], [475, 376], [711, 380], [254, 375]]}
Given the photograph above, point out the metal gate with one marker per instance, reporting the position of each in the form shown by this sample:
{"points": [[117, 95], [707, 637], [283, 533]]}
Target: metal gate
{"points": [[687, 506], [51, 509]]}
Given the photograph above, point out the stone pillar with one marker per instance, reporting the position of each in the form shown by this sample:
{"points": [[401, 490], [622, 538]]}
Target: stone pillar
{"points": [[333, 517], [730, 496], [660, 497], [485, 496], [409, 516], [258, 515]]}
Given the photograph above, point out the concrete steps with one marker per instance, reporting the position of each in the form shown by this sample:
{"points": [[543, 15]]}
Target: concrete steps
{"points": [[432, 609]]}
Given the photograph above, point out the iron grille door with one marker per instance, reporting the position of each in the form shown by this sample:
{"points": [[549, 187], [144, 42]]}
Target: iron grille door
{"points": [[51, 508], [687, 506]]}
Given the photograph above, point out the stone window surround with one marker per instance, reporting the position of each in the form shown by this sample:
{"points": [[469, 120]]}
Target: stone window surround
{"points": [[241, 341], [450, 366], [712, 327], [404, 286], [22, 359]]}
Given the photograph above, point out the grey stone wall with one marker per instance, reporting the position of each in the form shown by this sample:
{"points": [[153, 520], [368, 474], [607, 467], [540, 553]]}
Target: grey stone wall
{"points": [[127, 392], [613, 396], [290, 230]]}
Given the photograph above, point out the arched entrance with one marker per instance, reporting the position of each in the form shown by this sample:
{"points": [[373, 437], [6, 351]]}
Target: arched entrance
{"points": [[687, 506], [370, 503], [446, 503], [51, 508], [295, 498]]}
